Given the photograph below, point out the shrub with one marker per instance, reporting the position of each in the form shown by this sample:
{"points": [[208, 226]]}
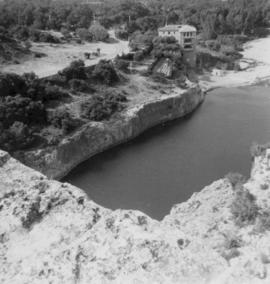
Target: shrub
{"points": [[84, 34], [121, 64], [142, 41], [11, 84], [100, 108], [20, 32], [213, 45], [263, 222], [264, 186], [166, 47], [75, 70], [121, 34], [139, 55], [52, 93], [65, 32], [98, 32], [78, 85], [244, 208], [21, 109], [17, 137], [104, 72], [21, 135], [40, 36], [235, 179], [62, 119], [29, 77], [257, 150]]}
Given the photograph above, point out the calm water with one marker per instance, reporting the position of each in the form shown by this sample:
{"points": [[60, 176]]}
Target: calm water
{"points": [[166, 164]]}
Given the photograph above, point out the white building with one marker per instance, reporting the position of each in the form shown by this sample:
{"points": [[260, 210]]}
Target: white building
{"points": [[184, 34]]}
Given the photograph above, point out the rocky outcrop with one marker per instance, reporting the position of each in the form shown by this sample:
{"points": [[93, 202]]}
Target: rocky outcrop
{"points": [[52, 233], [96, 137]]}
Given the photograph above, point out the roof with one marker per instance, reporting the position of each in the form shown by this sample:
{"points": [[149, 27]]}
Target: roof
{"points": [[176, 28]]}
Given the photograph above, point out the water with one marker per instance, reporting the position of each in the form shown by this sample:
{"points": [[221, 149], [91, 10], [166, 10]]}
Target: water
{"points": [[166, 164]]}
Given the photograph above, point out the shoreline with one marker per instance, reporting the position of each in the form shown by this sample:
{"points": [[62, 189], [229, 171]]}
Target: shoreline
{"points": [[255, 52], [95, 138]]}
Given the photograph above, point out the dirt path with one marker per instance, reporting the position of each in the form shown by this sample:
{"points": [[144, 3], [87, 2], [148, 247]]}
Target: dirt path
{"points": [[60, 56]]}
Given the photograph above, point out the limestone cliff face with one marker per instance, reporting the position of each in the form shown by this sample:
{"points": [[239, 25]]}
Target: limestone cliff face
{"points": [[52, 233], [96, 137]]}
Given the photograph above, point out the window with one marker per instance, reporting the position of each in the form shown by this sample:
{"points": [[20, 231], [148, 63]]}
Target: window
{"points": [[188, 46], [187, 40]]}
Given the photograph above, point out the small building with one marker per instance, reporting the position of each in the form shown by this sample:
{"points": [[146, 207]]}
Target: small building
{"points": [[186, 35]]}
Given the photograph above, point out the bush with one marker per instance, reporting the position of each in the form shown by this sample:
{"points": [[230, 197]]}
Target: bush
{"points": [[98, 33], [78, 85], [20, 32], [52, 93], [263, 222], [139, 55], [66, 34], [29, 77], [100, 108], [104, 72], [244, 208], [166, 47], [84, 34], [142, 41], [21, 109], [258, 150], [121, 34], [75, 70], [121, 64], [17, 137], [235, 179], [40, 36], [63, 120], [11, 84], [213, 45]]}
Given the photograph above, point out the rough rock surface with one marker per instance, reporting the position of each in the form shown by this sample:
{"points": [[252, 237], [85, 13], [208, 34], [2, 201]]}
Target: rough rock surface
{"points": [[95, 137], [50, 232]]}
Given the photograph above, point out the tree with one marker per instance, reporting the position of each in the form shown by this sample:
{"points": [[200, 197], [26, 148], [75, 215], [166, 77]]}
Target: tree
{"points": [[74, 71], [98, 32], [104, 72], [84, 34]]}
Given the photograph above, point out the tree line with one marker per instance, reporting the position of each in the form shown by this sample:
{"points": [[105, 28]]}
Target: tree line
{"points": [[212, 17]]}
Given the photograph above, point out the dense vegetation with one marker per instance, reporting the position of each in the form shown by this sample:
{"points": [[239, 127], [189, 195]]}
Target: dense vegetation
{"points": [[212, 17], [31, 111]]}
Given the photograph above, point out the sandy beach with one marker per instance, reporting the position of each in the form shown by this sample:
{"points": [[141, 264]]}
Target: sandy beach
{"points": [[256, 53]]}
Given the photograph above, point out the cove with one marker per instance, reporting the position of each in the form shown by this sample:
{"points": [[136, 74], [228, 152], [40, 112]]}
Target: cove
{"points": [[168, 163]]}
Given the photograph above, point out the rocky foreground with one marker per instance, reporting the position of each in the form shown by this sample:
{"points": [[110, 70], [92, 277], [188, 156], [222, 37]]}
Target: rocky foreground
{"points": [[51, 232]]}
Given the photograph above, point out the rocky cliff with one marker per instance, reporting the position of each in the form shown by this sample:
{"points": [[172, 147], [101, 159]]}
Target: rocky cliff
{"points": [[51, 232], [95, 137]]}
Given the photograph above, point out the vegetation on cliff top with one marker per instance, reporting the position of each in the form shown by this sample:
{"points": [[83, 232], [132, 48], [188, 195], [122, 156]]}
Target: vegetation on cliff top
{"points": [[32, 111]]}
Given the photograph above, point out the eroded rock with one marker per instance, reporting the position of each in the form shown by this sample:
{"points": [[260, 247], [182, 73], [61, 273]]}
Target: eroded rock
{"points": [[52, 233]]}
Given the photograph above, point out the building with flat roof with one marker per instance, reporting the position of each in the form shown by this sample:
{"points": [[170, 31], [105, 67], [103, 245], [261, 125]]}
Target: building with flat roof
{"points": [[185, 34]]}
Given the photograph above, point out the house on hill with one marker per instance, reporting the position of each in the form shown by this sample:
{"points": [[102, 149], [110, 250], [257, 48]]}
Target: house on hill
{"points": [[185, 35]]}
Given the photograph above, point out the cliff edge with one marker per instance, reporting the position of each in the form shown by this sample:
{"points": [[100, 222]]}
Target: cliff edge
{"points": [[151, 107], [50, 232]]}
